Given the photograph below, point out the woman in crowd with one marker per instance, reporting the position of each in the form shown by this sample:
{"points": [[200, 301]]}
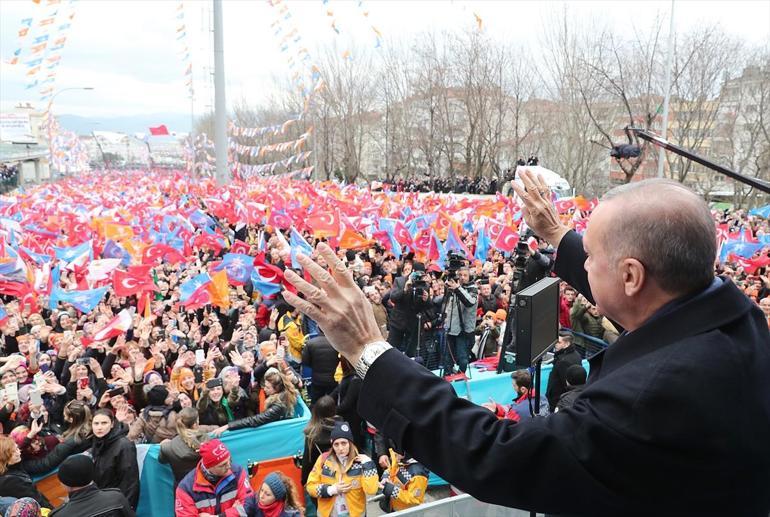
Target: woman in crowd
{"points": [[277, 497], [15, 481], [346, 394], [114, 456], [181, 452], [318, 433], [279, 404], [213, 406], [77, 416], [342, 478]]}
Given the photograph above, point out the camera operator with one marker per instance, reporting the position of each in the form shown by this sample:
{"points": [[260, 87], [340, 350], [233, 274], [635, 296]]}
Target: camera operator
{"points": [[538, 264], [460, 300], [410, 295]]}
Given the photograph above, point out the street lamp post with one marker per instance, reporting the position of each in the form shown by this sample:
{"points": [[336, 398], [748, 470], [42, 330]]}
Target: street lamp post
{"points": [[50, 123]]}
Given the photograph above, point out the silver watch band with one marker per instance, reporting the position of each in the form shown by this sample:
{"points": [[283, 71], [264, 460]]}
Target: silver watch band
{"points": [[371, 352]]}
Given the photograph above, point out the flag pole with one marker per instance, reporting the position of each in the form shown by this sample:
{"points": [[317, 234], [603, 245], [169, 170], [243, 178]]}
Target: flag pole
{"points": [[220, 107]]}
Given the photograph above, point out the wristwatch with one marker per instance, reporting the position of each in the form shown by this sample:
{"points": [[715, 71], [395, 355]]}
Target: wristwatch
{"points": [[371, 352]]}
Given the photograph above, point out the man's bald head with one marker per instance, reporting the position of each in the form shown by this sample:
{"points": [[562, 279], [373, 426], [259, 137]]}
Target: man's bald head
{"points": [[668, 228]]}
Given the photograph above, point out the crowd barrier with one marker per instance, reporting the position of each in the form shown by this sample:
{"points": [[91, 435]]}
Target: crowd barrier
{"points": [[274, 444]]}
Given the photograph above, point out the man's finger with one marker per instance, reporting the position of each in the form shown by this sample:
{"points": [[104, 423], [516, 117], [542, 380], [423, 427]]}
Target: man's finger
{"points": [[314, 294], [340, 271], [305, 307], [324, 279]]}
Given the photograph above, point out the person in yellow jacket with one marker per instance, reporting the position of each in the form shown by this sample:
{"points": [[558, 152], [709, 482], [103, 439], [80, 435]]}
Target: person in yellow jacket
{"points": [[403, 483], [290, 325], [342, 478]]}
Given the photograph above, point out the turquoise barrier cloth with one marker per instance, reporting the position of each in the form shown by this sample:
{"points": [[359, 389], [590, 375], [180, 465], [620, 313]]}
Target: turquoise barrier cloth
{"points": [[276, 440], [486, 385]]}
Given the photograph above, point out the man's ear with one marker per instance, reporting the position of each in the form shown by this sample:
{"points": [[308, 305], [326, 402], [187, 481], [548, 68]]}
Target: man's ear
{"points": [[634, 276]]}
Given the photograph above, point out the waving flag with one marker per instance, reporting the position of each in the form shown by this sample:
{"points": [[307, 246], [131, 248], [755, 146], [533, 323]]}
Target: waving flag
{"points": [[238, 267], [219, 290], [85, 301], [263, 286], [120, 324], [160, 130], [323, 224], [188, 288], [101, 269], [115, 250], [199, 298], [298, 245], [352, 240], [38, 258], [3, 316], [482, 245], [507, 240], [454, 243], [136, 280], [74, 252], [739, 248]]}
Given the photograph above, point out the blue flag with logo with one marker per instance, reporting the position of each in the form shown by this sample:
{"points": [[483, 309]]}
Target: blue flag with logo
{"points": [[238, 266], [71, 253], [188, 288], [84, 301], [298, 245]]}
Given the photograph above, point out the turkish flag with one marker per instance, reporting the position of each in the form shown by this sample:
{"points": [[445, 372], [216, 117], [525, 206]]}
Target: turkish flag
{"points": [[240, 247], [126, 283], [159, 130], [200, 298], [507, 240], [324, 224]]}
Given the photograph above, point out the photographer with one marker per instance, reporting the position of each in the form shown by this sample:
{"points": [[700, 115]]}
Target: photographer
{"points": [[460, 300], [408, 297], [538, 263]]}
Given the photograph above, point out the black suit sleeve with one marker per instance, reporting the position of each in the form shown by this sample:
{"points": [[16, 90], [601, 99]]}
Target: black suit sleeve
{"points": [[569, 264], [497, 461], [271, 414]]}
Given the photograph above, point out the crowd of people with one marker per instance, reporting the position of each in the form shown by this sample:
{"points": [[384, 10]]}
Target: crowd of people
{"points": [[459, 184], [182, 377], [9, 177]]}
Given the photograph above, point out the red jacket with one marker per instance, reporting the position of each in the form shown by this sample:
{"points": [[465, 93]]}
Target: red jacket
{"points": [[195, 494]]}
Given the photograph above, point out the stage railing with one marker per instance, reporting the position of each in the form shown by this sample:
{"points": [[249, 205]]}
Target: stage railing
{"points": [[461, 505]]}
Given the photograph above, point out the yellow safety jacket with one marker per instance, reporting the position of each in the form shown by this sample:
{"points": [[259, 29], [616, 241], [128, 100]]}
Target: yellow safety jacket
{"points": [[405, 483], [327, 472], [293, 331]]}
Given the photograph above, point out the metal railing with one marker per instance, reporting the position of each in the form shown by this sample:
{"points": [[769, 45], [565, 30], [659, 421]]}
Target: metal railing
{"points": [[461, 506]]}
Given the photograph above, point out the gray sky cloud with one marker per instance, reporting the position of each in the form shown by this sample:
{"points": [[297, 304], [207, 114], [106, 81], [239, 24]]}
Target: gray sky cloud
{"points": [[127, 50]]}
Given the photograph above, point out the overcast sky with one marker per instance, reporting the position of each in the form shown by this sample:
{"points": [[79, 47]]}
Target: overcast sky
{"points": [[127, 50]]}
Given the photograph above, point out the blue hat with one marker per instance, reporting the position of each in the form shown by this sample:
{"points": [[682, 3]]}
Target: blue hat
{"points": [[276, 485]]}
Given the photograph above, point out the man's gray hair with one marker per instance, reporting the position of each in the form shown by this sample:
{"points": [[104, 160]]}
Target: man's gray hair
{"points": [[669, 229]]}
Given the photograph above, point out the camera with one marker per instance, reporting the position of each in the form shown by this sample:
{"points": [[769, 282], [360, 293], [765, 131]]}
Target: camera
{"points": [[455, 262], [420, 284]]}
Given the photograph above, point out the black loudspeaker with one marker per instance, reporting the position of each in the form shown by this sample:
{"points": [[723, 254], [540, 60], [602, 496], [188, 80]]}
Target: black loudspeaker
{"points": [[537, 320]]}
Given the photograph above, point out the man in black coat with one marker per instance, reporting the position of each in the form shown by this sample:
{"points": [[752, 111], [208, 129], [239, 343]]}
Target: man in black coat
{"points": [[565, 355], [675, 417], [407, 304], [319, 355], [85, 498]]}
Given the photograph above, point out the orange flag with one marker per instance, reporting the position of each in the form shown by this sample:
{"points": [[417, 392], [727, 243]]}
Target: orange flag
{"points": [[352, 240], [219, 289], [117, 232]]}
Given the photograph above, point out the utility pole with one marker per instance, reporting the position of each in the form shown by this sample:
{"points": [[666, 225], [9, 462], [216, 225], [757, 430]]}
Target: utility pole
{"points": [[220, 106], [669, 56]]}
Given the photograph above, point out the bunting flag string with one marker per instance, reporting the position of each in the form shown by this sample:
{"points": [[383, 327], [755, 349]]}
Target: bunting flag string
{"points": [[365, 13], [261, 150], [184, 50], [271, 167], [252, 132]]}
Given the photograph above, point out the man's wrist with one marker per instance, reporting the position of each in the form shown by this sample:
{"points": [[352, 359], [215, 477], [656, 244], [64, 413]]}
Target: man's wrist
{"points": [[554, 238]]}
